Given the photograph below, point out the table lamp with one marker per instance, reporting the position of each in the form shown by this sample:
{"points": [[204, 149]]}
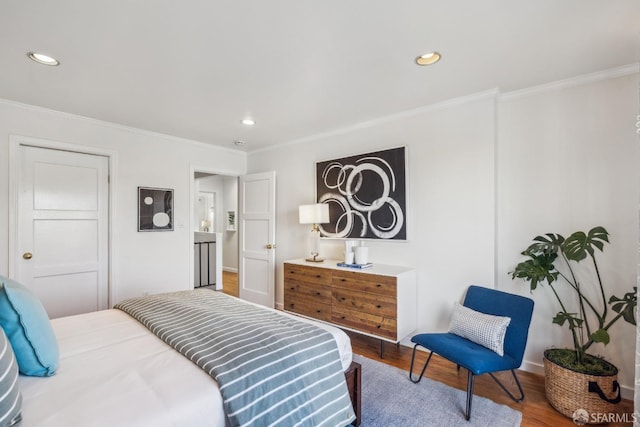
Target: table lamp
{"points": [[314, 214]]}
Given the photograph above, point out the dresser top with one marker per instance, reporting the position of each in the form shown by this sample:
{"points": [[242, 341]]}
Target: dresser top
{"points": [[382, 269]]}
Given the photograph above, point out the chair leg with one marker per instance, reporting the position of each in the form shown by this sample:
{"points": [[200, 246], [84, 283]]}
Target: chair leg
{"points": [[470, 381], [515, 377], [413, 356]]}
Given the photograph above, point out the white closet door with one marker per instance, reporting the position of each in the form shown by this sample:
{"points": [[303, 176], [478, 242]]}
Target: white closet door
{"points": [[62, 226]]}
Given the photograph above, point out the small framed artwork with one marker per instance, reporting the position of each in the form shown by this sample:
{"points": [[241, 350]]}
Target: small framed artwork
{"points": [[366, 194], [231, 220], [155, 209]]}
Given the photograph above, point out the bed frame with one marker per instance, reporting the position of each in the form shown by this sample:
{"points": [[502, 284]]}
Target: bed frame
{"points": [[354, 382]]}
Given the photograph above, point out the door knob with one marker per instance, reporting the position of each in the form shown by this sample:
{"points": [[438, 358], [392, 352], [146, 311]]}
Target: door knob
{"points": [[270, 246], [27, 255]]}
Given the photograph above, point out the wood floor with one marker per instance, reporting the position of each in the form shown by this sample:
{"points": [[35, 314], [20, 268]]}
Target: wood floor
{"points": [[230, 283], [536, 411]]}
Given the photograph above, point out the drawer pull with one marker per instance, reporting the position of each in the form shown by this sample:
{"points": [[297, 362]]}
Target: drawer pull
{"points": [[291, 305], [318, 276], [318, 311], [343, 317], [379, 326], [343, 299], [378, 306], [343, 280], [293, 288], [378, 285], [318, 293]]}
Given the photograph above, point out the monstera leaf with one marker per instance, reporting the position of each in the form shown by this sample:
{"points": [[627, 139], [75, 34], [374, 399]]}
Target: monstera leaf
{"points": [[550, 243], [539, 268], [572, 318], [626, 306], [600, 335], [578, 245]]}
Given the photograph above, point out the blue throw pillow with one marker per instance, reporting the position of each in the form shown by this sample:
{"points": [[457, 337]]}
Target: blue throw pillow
{"points": [[27, 325], [10, 397]]}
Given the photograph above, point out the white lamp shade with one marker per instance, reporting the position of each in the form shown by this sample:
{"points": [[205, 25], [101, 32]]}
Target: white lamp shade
{"points": [[314, 214]]}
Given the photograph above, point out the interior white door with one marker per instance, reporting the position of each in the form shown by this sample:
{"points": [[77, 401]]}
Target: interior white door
{"points": [[62, 229], [257, 212]]}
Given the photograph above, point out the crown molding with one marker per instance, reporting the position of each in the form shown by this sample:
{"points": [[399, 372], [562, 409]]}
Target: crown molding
{"points": [[125, 128], [580, 80], [385, 119]]}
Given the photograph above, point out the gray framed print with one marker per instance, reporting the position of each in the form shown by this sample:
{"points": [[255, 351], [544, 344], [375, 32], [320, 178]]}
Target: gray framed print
{"points": [[155, 209], [366, 194]]}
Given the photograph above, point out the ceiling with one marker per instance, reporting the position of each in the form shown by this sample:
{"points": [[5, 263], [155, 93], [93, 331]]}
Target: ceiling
{"points": [[195, 68]]}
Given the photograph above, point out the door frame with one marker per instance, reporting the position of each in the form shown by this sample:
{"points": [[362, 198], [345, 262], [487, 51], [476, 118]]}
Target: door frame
{"points": [[192, 225], [15, 142]]}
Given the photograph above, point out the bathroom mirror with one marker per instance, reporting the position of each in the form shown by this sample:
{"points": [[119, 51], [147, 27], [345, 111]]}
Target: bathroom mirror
{"points": [[205, 210]]}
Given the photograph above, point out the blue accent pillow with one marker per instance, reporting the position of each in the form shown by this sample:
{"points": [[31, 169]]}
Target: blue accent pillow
{"points": [[27, 325], [10, 397]]}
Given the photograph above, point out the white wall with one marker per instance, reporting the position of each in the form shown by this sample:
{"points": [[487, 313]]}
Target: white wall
{"points": [[450, 196], [561, 158], [568, 161], [153, 262]]}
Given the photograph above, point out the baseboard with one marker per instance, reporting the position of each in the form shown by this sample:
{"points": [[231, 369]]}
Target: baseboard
{"points": [[230, 269], [279, 306]]}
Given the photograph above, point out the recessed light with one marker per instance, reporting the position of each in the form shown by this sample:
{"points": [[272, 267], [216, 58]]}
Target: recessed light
{"points": [[41, 58], [428, 58], [248, 122], [239, 143]]}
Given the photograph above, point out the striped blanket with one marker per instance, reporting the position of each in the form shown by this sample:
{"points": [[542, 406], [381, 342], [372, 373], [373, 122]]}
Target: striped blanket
{"points": [[272, 370]]}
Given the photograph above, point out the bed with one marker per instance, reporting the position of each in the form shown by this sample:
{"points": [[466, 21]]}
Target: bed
{"points": [[114, 371]]}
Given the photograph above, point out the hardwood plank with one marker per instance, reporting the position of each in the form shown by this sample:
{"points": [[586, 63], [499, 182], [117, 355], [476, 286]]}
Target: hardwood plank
{"points": [[230, 283], [536, 411]]}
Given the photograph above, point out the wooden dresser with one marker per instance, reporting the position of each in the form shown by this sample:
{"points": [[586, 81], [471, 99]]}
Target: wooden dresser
{"points": [[379, 301]]}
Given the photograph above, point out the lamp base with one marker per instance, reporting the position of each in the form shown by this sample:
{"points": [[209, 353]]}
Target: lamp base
{"points": [[314, 259]]}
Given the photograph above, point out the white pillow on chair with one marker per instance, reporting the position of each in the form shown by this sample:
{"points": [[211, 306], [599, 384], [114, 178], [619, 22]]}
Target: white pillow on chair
{"points": [[484, 329]]}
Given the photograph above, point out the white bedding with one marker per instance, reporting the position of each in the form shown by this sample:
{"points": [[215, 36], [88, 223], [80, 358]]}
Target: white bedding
{"points": [[114, 372]]}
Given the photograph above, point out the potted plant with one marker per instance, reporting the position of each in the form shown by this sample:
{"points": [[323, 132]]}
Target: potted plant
{"points": [[574, 379]]}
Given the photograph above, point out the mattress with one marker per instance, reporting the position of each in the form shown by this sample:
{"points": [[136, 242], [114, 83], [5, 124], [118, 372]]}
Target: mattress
{"points": [[113, 371]]}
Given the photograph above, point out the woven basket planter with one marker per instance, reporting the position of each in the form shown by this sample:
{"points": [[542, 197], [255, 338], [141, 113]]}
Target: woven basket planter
{"points": [[569, 391]]}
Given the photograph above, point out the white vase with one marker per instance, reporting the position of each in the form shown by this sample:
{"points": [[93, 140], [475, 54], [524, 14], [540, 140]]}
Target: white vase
{"points": [[348, 257], [361, 254]]}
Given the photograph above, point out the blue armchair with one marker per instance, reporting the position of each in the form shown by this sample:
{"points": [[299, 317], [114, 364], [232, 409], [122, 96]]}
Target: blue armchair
{"points": [[474, 357]]}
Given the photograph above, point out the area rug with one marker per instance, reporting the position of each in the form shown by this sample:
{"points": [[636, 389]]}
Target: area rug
{"points": [[390, 399]]}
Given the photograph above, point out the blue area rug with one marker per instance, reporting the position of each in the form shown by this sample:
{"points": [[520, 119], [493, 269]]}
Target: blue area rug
{"points": [[390, 399]]}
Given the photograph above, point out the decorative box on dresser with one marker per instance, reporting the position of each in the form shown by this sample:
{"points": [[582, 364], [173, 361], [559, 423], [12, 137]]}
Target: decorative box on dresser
{"points": [[379, 301]]}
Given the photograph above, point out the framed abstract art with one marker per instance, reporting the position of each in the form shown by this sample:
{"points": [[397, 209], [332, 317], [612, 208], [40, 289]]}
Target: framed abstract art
{"points": [[155, 209], [366, 194]]}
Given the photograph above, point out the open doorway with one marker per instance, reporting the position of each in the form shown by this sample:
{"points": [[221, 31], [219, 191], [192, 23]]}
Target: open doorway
{"points": [[215, 240]]}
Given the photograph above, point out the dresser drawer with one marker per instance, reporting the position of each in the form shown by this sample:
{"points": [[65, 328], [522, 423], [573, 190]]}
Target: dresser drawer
{"points": [[379, 301], [307, 274], [321, 293], [377, 325], [378, 304], [308, 306], [372, 283]]}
